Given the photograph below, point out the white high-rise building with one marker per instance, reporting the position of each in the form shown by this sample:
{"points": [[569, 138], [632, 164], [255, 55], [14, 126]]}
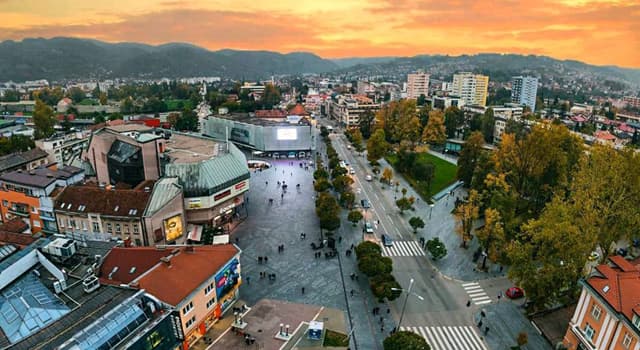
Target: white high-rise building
{"points": [[524, 91], [417, 84], [471, 88]]}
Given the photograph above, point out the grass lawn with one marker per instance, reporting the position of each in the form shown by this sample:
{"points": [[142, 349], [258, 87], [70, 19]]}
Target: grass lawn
{"points": [[172, 105], [445, 175], [89, 102], [332, 338]]}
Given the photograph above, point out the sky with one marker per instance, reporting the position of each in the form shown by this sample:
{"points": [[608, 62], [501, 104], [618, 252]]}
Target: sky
{"points": [[603, 32]]}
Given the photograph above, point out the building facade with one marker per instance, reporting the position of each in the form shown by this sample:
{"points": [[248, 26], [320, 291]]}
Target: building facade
{"points": [[472, 88], [27, 160], [347, 109], [607, 316], [417, 84], [65, 149], [524, 91]]}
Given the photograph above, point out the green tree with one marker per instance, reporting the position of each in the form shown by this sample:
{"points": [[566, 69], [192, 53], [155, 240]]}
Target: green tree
{"points": [[404, 340], [322, 185], [436, 248], [76, 94], [347, 198], [356, 139], [327, 209], [423, 170], [11, 96], [466, 214], [271, 96], [375, 265], [377, 146], [435, 132], [382, 287], [387, 175], [366, 123], [416, 223], [43, 120], [453, 119], [126, 106], [367, 248], [354, 216], [422, 99], [488, 125], [469, 157], [187, 121], [403, 204], [320, 174], [491, 236], [102, 98]]}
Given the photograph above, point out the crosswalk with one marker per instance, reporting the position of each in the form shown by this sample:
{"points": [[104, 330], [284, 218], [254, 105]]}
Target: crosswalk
{"points": [[403, 248], [449, 337], [476, 293]]}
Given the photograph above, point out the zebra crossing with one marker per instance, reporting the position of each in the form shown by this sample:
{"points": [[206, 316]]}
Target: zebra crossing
{"points": [[449, 337], [403, 248], [476, 293]]}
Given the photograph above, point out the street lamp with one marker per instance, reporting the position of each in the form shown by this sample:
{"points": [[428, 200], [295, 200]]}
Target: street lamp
{"points": [[431, 209], [404, 306]]}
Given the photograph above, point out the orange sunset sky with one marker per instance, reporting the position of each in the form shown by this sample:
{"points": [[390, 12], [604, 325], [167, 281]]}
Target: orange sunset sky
{"points": [[594, 31]]}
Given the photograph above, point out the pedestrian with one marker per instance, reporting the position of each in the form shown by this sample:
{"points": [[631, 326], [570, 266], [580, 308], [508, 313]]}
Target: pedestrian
{"points": [[486, 330], [352, 246], [480, 324], [282, 196], [374, 311], [501, 268], [482, 314], [382, 329], [237, 239], [259, 260], [339, 239], [468, 303], [381, 319], [248, 280], [266, 183], [303, 290], [352, 291], [388, 311], [266, 259]]}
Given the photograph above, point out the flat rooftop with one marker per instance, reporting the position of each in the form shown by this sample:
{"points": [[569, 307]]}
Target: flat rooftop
{"points": [[249, 119], [183, 148]]}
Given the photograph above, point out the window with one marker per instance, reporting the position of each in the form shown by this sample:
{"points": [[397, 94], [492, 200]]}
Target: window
{"points": [[126, 228], [190, 323], [636, 321], [109, 228], [36, 223], [596, 311], [208, 289], [34, 210], [589, 332], [96, 227], [136, 229], [61, 223], [84, 226], [118, 228], [187, 308], [138, 243], [626, 341], [5, 203], [211, 302]]}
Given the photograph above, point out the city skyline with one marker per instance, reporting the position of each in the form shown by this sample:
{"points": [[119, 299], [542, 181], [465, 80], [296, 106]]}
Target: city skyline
{"points": [[355, 28]]}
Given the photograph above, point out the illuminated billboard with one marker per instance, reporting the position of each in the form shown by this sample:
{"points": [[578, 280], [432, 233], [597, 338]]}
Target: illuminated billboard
{"points": [[173, 228], [288, 134], [227, 278]]}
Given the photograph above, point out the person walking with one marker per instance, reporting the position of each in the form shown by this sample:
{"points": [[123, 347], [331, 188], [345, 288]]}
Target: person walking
{"points": [[302, 290]]}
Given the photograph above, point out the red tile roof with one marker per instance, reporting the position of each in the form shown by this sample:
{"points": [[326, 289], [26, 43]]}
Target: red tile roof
{"points": [[604, 135], [19, 239], [107, 202], [131, 263], [619, 284], [15, 226], [173, 282], [298, 109], [270, 113]]}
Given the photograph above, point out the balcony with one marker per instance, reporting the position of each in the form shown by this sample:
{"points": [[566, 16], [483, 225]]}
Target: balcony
{"points": [[586, 344], [19, 211]]}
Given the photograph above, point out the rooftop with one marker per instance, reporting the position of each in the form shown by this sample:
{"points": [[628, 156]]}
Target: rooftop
{"points": [[40, 177], [618, 283], [123, 265], [93, 199], [18, 159], [184, 148], [248, 118]]}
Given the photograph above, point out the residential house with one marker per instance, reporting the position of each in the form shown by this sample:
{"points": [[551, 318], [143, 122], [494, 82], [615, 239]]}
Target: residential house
{"points": [[27, 160]]}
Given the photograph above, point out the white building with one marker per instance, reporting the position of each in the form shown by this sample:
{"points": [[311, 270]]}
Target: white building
{"points": [[347, 109], [502, 114], [524, 91], [67, 148], [417, 84], [472, 88]]}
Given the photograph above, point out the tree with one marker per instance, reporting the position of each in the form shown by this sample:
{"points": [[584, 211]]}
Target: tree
{"points": [[387, 175], [327, 209], [356, 139], [354, 216], [322, 185], [491, 236], [523, 339], [43, 120], [377, 146], [399, 121], [404, 340], [187, 121], [453, 119], [103, 98], [366, 123], [423, 170], [341, 183], [488, 125], [374, 265], [403, 204], [435, 132], [469, 156], [436, 248], [126, 106], [320, 174], [11, 96], [347, 198], [466, 213], [271, 96], [382, 287], [367, 248], [76, 94], [416, 223]]}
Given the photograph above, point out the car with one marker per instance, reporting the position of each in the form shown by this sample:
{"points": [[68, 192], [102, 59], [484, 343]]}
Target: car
{"points": [[368, 228], [348, 146], [365, 203], [352, 171], [387, 241], [514, 293], [594, 256], [368, 178]]}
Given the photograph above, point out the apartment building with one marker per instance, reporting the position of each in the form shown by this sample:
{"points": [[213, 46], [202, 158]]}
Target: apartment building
{"points": [[347, 109], [417, 84], [607, 316], [524, 91], [27, 160], [472, 88], [502, 114], [29, 195], [65, 149]]}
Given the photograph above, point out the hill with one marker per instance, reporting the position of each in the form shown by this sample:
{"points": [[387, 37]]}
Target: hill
{"points": [[70, 58]]}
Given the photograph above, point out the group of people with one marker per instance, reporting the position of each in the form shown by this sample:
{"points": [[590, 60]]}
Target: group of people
{"points": [[262, 258], [271, 276]]}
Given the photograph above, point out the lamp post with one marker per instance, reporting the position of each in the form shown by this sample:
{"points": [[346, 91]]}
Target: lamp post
{"points": [[431, 210], [406, 298]]}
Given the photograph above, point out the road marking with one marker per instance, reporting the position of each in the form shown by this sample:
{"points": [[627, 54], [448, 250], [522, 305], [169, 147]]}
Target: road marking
{"points": [[476, 293], [449, 337], [403, 248]]}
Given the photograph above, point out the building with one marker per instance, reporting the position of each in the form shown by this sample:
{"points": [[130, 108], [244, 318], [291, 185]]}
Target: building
{"points": [[27, 160], [65, 149], [293, 136], [417, 84], [472, 88], [524, 91], [607, 316], [64, 104], [632, 101], [444, 102], [199, 282], [29, 195], [347, 109], [213, 174], [150, 214]]}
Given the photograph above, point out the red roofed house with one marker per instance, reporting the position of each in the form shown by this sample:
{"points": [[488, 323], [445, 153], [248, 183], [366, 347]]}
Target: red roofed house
{"points": [[200, 282], [299, 109], [608, 314]]}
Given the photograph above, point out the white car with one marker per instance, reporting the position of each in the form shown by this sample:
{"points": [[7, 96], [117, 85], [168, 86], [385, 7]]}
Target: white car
{"points": [[352, 171], [368, 178], [368, 228]]}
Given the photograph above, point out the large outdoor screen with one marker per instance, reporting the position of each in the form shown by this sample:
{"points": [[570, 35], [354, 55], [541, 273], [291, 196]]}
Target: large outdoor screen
{"points": [[287, 134]]}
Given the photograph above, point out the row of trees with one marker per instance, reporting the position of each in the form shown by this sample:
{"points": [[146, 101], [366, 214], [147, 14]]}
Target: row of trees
{"points": [[547, 203], [378, 268]]}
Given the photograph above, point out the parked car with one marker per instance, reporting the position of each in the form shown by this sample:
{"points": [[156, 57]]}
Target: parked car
{"points": [[368, 178], [514, 293], [365, 204], [352, 171], [368, 228], [594, 256], [387, 241]]}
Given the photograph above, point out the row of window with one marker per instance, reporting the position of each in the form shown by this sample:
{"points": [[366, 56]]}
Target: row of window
{"points": [[590, 333], [190, 322], [71, 223]]}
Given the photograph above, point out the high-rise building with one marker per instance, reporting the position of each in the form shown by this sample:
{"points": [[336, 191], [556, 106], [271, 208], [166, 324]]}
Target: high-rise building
{"points": [[471, 88], [524, 90], [417, 84]]}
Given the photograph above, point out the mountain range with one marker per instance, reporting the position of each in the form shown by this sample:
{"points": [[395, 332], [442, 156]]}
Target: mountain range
{"points": [[71, 58]]}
